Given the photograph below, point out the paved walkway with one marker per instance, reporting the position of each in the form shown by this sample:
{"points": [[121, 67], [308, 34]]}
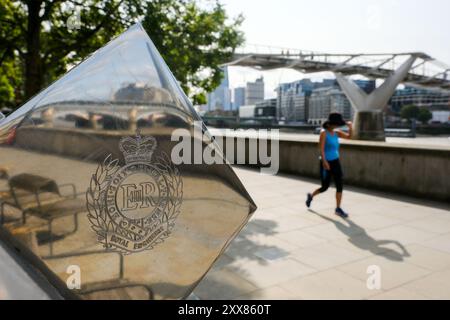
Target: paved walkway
{"points": [[289, 252]]}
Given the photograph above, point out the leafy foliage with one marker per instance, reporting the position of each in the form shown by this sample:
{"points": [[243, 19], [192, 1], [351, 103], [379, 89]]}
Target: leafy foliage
{"points": [[193, 41], [409, 112], [424, 115], [39, 40]]}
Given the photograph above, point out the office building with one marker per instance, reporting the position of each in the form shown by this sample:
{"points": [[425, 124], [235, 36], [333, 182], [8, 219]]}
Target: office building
{"points": [[441, 116], [367, 85], [434, 100], [220, 98], [239, 97], [254, 92], [292, 106], [323, 101], [266, 108], [293, 98]]}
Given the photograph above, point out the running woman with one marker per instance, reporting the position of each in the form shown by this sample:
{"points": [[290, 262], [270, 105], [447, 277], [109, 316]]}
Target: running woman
{"points": [[329, 159]]}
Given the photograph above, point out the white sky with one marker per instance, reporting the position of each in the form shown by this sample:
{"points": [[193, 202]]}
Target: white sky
{"points": [[345, 26]]}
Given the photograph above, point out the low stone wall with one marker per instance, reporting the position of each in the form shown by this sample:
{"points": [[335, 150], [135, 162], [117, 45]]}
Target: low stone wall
{"points": [[410, 170], [405, 169]]}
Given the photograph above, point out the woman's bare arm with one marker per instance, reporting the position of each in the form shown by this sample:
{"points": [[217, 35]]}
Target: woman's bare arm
{"points": [[346, 135], [322, 138]]}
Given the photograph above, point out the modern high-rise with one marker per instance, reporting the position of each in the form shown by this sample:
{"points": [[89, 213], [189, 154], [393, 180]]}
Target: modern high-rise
{"points": [[254, 92], [239, 97], [220, 98]]}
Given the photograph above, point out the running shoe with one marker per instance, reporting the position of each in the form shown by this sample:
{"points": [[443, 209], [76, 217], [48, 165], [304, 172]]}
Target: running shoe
{"points": [[341, 213], [309, 199]]}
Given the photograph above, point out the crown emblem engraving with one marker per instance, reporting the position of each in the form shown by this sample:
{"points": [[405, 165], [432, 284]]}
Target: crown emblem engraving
{"points": [[137, 149], [133, 208]]}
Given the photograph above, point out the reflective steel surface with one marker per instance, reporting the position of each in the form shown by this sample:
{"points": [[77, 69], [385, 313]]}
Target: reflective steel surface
{"points": [[88, 183]]}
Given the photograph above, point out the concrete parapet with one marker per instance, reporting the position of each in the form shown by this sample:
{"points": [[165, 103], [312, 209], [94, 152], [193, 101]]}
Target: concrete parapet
{"points": [[411, 170]]}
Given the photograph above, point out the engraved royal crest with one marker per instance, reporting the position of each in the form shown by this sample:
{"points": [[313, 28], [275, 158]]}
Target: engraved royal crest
{"points": [[134, 207]]}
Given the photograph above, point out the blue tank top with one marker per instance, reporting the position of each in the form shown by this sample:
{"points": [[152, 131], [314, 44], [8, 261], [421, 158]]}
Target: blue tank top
{"points": [[331, 146]]}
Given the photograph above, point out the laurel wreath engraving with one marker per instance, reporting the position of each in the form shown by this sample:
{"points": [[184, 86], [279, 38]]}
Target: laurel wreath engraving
{"points": [[101, 223]]}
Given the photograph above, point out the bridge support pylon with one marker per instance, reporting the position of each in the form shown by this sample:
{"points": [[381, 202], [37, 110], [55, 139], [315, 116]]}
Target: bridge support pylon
{"points": [[369, 108]]}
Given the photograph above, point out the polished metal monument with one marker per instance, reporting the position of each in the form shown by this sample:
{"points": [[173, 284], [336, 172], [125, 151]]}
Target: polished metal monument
{"points": [[89, 184]]}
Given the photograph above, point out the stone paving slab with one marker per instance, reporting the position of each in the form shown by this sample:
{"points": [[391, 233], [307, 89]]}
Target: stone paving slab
{"points": [[289, 252]]}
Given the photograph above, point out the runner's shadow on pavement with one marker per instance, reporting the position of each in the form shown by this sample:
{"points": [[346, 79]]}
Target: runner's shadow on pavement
{"points": [[361, 239]]}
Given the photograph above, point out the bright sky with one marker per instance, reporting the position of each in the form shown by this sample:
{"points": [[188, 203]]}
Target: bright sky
{"points": [[346, 26]]}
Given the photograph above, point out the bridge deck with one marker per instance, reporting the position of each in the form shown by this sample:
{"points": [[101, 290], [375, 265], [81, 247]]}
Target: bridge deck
{"points": [[425, 73]]}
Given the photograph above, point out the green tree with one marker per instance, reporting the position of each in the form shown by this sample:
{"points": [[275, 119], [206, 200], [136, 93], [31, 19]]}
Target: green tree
{"points": [[9, 80], [194, 41], [424, 115], [10, 39], [43, 42], [36, 40], [409, 112]]}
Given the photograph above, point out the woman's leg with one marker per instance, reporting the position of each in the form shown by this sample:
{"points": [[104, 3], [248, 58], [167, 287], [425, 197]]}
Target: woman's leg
{"points": [[338, 199], [325, 178], [337, 176]]}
